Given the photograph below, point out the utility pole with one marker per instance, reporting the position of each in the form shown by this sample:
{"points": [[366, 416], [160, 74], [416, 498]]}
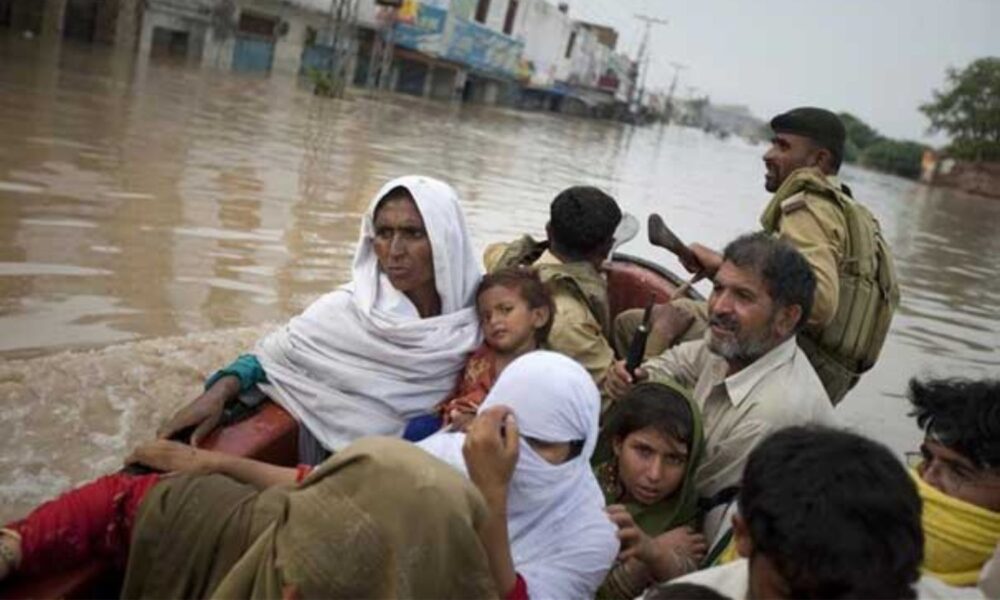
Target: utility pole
{"points": [[341, 28], [642, 61], [678, 67], [380, 61]]}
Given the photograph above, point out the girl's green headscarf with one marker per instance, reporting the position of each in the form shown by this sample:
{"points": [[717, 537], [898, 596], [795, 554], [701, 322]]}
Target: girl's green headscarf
{"points": [[680, 507]]}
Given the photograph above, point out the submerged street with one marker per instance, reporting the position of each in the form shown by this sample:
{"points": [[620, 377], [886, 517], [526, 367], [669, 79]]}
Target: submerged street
{"points": [[155, 219]]}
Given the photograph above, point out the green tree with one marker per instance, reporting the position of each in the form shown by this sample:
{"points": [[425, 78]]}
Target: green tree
{"points": [[894, 156], [860, 135], [969, 110]]}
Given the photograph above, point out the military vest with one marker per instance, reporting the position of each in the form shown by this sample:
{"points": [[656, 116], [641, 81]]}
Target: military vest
{"points": [[580, 278], [869, 290]]}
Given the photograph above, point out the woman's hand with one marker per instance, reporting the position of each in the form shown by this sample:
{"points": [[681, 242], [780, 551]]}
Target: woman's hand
{"points": [[635, 543], [174, 457], [677, 552], [491, 450], [204, 412]]}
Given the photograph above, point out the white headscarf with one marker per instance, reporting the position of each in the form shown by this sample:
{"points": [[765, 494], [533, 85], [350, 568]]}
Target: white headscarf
{"points": [[360, 360], [562, 542]]}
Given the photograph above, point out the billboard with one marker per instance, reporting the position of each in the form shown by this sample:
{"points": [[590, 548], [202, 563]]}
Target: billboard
{"points": [[483, 49], [421, 27]]}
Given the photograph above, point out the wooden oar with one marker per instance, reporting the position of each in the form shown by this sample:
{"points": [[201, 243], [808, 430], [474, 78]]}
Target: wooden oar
{"points": [[661, 235]]}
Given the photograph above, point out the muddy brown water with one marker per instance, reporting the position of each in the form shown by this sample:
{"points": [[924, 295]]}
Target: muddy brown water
{"points": [[156, 219]]}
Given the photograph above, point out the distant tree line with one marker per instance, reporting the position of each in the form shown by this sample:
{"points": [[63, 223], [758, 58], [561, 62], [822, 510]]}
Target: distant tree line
{"points": [[968, 110], [867, 147]]}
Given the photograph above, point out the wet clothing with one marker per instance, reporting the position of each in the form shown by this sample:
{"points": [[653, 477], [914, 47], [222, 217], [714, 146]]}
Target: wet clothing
{"points": [[678, 509], [379, 519], [777, 390], [91, 522], [561, 540], [581, 324], [959, 537]]}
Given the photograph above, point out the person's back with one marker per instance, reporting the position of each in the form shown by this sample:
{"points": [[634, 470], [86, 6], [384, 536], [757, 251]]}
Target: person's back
{"points": [[580, 234]]}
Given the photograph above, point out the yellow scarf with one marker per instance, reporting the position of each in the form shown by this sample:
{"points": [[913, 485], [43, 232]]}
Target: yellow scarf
{"points": [[958, 537]]}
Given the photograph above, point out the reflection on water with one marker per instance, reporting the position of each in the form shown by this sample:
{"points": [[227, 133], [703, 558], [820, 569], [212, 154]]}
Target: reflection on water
{"points": [[164, 207]]}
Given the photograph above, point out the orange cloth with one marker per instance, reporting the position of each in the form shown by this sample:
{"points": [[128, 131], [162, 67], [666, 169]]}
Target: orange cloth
{"points": [[475, 382]]}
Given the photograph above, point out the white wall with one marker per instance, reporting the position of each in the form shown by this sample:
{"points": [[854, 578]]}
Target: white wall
{"points": [[545, 32]]}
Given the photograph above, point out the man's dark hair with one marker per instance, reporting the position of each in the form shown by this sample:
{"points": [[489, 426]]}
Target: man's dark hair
{"points": [[836, 513], [582, 219], [526, 282], [683, 591], [962, 414], [786, 273], [651, 405]]}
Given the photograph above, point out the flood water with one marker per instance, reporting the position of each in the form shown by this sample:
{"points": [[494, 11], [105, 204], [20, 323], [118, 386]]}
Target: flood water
{"points": [[155, 220]]}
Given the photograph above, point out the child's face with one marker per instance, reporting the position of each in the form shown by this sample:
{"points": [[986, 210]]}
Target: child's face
{"points": [[508, 322], [650, 465]]}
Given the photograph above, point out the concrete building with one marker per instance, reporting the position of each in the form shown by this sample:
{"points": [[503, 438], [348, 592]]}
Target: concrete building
{"points": [[484, 51]]}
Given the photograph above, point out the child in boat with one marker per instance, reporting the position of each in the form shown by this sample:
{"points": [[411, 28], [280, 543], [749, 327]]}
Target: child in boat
{"points": [[515, 311], [650, 448]]}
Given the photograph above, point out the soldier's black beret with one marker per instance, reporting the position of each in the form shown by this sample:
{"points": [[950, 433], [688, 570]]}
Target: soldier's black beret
{"points": [[817, 124]]}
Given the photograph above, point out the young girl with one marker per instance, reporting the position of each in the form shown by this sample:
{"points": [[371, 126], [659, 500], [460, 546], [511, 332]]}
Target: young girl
{"points": [[515, 311], [651, 446]]}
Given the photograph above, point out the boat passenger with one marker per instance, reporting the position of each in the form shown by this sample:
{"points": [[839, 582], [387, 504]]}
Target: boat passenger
{"points": [[856, 284], [825, 514], [546, 534], [548, 529], [349, 530], [580, 234], [372, 354], [748, 374], [515, 311], [651, 443], [958, 475]]}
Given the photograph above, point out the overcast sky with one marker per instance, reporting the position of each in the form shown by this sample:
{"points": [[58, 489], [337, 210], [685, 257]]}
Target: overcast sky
{"points": [[878, 59]]}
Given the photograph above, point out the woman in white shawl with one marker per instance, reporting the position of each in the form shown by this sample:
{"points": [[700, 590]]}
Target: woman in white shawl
{"points": [[528, 451], [378, 351]]}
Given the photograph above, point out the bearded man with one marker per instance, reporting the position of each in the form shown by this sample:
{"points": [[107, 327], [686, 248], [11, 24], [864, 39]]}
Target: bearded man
{"points": [[749, 378]]}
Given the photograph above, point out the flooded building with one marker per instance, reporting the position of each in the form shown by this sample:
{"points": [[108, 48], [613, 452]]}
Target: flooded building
{"points": [[572, 65], [528, 52], [457, 49]]}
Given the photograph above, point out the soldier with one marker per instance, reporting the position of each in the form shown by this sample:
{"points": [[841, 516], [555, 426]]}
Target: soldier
{"points": [[856, 292], [580, 233]]}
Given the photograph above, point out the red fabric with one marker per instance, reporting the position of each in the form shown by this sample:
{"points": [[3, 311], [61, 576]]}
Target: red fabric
{"points": [[92, 521], [519, 591], [302, 471], [476, 380]]}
